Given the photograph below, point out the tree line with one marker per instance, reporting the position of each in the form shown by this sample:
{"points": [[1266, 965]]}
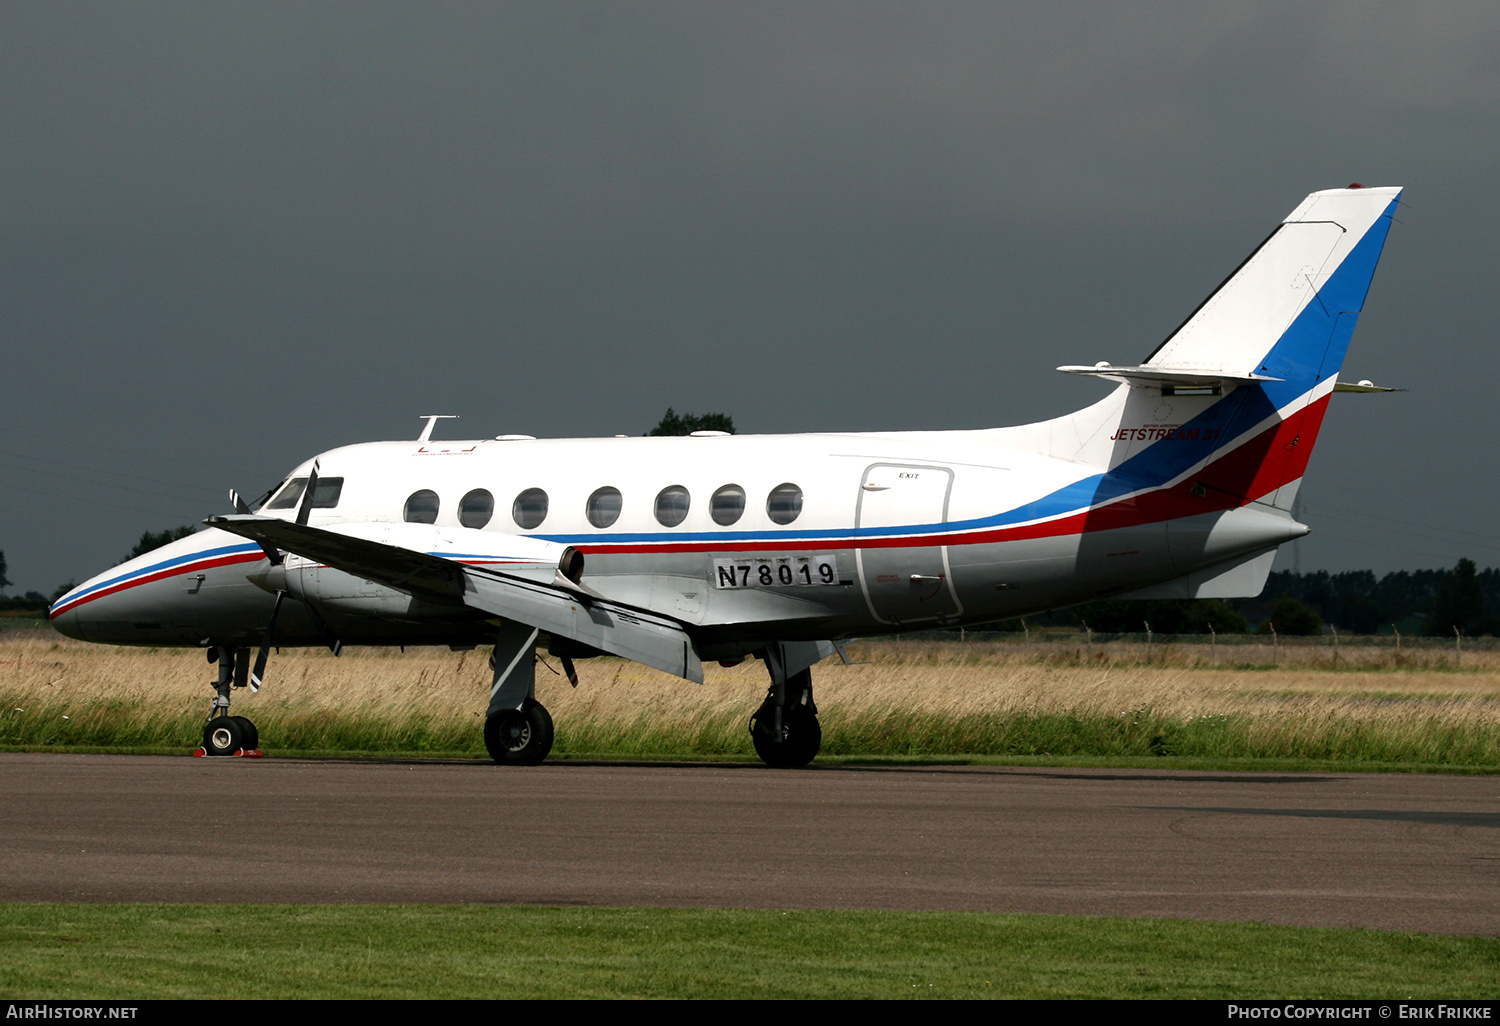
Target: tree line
{"points": [[1439, 603]]}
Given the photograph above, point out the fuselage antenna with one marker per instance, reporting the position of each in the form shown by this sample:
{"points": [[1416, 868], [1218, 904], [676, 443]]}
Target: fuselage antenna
{"points": [[432, 419]]}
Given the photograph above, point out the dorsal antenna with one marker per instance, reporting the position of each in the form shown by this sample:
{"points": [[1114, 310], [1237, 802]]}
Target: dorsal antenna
{"points": [[432, 419]]}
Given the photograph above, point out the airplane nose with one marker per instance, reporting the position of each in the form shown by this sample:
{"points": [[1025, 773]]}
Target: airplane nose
{"points": [[67, 623]]}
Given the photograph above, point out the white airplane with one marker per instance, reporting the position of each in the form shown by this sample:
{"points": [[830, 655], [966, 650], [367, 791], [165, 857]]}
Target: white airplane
{"points": [[675, 551]]}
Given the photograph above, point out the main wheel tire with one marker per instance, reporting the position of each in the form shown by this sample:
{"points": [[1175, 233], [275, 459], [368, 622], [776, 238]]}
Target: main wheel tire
{"points": [[519, 737], [250, 734], [803, 736], [223, 735]]}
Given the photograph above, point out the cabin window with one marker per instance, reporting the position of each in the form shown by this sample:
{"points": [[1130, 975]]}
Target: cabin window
{"points": [[476, 508], [325, 496], [421, 508], [727, 505], [784, 504], [529, 509], [672, 505], [604, 507]]}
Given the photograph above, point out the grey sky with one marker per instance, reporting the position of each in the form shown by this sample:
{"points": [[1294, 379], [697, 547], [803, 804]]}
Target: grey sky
{"points": [[235, 235]]}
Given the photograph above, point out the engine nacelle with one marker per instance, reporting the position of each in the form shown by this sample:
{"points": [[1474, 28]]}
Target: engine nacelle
{"points": [[330, 587]]}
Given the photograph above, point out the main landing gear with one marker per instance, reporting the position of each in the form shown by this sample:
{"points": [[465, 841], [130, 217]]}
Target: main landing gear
{"points": [[785, 728], [517, 728], [223, 734], [787, 735]]}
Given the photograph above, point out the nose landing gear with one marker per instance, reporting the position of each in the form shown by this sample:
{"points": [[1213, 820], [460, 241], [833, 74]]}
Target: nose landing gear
{"points": [[223, 734]]}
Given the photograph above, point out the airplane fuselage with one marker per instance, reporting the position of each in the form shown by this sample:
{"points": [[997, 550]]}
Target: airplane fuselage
{"points": [[879, 533]]}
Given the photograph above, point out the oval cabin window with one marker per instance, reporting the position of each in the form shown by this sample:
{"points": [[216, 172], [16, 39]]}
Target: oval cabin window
{"points": [[604, 507], [784, 504], [672, 505], [529, 509], [476, 508], [727, 505], [421, 508]]}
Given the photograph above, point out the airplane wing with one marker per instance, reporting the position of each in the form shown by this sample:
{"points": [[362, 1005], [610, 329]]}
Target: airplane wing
{"points": [[563, 609]]}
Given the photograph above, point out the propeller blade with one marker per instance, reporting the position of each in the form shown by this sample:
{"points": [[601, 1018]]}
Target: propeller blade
{"points": [[567, 665], [305, 507], [239, 504], [258, 674], [329, 638]]}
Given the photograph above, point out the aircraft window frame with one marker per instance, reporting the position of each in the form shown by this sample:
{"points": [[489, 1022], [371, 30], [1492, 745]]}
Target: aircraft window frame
{"points": [[665, 513], [600, 515], [725, 513], [476, 508], [784, 513], [326, 495], [288, 495], [420, 516], [527, 512]]}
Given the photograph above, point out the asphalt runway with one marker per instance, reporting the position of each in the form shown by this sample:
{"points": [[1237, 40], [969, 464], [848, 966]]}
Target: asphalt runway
{"points": [[1388, 851]]}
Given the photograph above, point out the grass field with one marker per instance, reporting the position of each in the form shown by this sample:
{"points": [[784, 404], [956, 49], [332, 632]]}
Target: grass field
{"points": [[1362, 706], [905, 699], [320, 951]]}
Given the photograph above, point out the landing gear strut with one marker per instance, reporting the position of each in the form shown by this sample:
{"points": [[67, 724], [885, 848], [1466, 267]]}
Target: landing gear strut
{"points": [[224, 734], [517, 728], [785, 728], [786, 734]]}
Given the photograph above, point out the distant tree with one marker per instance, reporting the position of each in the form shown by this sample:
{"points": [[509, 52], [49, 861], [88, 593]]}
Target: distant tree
{"points": [[1458, 601], [62, 589], [4, 581], [1292, 616], [1166, 616], [156, 539], [674, 423]]}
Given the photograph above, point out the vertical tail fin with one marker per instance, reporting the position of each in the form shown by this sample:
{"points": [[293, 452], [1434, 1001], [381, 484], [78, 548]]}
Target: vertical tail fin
{"points": [[1230, 404], [1287, 312]]}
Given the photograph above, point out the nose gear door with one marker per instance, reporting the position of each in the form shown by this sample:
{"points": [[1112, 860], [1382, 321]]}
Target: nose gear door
{"points": [[905, 579]]}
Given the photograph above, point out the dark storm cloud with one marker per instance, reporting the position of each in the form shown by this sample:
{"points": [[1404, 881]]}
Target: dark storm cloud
{"points": [[236, 235]]}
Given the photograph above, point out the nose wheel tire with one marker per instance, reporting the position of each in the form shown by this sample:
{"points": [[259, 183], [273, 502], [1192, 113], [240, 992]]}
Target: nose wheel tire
{"points": [[251, 735], [225, 735], [803, 736], [519, 737]]}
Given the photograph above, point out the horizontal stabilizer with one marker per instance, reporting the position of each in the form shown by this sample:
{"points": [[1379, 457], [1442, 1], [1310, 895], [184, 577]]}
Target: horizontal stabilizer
{"points": [[625, 631], [1363, 386], [1181, 377]]}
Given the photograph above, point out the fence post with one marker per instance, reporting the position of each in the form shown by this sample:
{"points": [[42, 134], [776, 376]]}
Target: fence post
{"points": [[1275, 644], [1458, 648]]}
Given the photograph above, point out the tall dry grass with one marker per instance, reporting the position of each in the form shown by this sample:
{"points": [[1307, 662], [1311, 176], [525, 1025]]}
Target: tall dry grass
{"points": [[900, 698]]}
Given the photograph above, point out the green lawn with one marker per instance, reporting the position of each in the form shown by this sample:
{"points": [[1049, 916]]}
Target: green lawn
{"points": [[361, 951]]}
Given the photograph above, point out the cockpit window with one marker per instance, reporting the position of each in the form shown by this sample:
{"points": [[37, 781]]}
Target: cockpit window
{"points": [[326, 496], [421, 508], [289, 496]]}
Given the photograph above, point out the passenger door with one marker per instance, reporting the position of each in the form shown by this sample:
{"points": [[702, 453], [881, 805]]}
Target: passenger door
{"points": [[905, 580]]}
